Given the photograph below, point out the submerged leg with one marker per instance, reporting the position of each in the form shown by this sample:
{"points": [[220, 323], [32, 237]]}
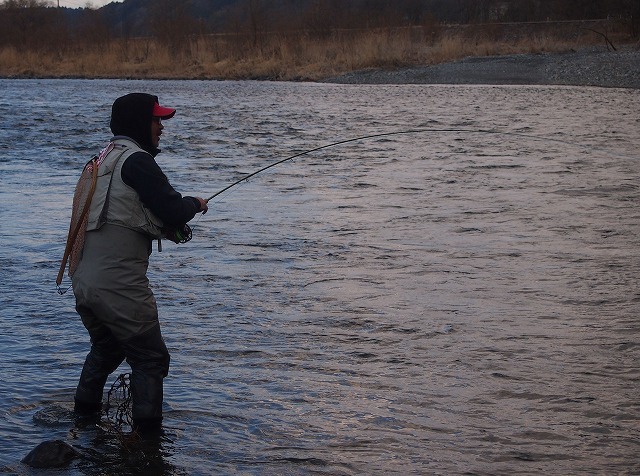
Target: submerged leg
{"points": [[149, 358], [104, 357]]}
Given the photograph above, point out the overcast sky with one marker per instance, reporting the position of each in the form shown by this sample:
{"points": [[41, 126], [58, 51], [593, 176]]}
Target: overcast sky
{"points": [[83, 3]]}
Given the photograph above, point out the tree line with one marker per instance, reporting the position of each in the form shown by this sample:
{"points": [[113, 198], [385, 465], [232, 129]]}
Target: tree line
{"points": [[39, 25]]}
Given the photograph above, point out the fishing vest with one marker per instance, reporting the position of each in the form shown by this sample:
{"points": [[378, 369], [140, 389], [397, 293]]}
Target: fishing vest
{"points": [[114, 201]]}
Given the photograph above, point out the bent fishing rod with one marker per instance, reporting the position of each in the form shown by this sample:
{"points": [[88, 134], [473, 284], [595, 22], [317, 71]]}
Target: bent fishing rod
{"points": [[355, 139], [385, 134]]}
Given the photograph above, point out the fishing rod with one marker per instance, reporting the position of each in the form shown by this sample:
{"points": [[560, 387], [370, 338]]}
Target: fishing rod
{"points": [[370, 136], [384, 134]]}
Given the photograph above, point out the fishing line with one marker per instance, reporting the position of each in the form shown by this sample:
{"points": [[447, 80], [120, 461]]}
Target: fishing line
{"points": [[410, 131], [387, 134]]}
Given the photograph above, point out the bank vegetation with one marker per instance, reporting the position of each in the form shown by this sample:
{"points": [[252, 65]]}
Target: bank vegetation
{"points": [[39, 40]]}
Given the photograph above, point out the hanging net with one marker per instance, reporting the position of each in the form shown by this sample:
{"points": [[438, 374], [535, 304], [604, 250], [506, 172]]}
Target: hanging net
{"points": [[81, 200], [118, 408]]}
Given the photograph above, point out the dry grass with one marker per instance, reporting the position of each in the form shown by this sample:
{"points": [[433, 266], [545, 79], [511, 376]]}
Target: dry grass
{"points": [[297, 57]]}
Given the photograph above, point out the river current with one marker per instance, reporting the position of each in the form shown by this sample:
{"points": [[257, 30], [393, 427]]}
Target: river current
{"points": [[460, 300]]}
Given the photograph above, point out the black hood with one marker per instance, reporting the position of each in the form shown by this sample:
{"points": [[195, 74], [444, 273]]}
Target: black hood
{"points": [[131, 116]]}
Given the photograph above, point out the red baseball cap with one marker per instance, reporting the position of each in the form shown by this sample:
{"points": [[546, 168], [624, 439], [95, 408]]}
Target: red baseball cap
{"points": [[163, 112]]}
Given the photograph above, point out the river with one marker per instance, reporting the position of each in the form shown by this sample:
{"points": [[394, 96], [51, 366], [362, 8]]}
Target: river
{"points": [[459, 300]]}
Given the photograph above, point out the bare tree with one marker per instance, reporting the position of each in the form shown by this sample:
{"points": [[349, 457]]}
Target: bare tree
{"points": [[172, 24], [30, 25]]}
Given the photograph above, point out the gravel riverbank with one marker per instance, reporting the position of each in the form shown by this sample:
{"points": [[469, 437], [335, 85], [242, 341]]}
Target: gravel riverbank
{"points": [[589, 67]]}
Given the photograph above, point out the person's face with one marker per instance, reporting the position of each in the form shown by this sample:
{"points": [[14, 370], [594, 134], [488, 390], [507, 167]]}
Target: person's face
{"points": [[156, 130]]}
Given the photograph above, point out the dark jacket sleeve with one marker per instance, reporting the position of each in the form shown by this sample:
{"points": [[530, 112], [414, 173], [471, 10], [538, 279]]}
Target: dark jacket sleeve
{"points": [[141, 172]]}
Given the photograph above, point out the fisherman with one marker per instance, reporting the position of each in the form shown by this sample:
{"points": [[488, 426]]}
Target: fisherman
{"points": [[132, 205]]}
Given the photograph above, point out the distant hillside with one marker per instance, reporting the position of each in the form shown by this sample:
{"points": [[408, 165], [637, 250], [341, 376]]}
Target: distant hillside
{"points": [[134, 17], [138, 17]]}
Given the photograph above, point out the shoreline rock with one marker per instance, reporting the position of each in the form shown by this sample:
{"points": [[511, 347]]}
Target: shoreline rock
{"points": [[51, 454], [589, 67]]}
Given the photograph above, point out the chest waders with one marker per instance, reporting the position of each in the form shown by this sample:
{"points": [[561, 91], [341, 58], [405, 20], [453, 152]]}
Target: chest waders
{"points": [[113, 296]]}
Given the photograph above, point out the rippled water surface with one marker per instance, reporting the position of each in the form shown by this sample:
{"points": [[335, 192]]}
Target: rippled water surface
{"points": [[459, 300]]}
